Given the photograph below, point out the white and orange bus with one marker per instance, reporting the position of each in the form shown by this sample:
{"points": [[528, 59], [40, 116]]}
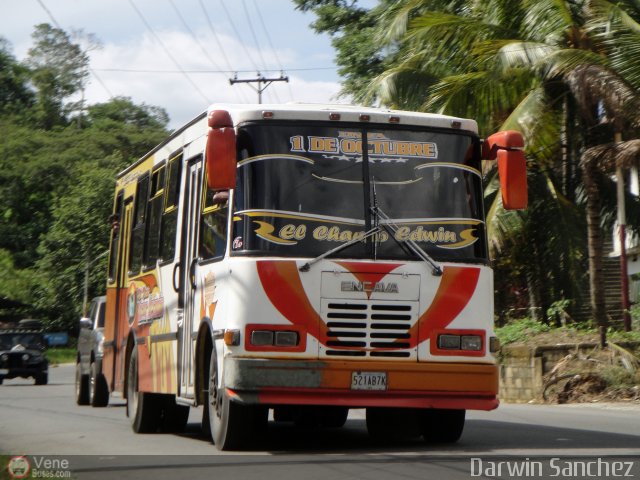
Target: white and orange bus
{"points": [[261, 259]]}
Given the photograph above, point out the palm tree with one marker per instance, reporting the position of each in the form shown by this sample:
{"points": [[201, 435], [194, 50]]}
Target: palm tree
{"points": [[541, 61]]}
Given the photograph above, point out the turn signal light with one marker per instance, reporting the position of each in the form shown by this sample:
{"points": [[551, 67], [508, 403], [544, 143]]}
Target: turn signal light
{"points": [[232, 338]]}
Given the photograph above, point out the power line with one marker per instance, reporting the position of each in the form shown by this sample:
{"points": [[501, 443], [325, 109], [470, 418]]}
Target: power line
{"points": [[275, 52], [238, 36], [135, 70], [220, 46], [195, 38], [91, 70], [255, 40], [253, 34], [166, 50], [186, 26]]}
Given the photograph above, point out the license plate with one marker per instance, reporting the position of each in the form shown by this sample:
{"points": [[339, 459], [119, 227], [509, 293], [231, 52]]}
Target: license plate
{"points": [[3, 371], [368, 380]]}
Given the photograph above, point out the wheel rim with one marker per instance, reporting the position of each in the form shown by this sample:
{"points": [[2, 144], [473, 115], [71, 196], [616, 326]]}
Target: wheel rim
{"points": [[92, 384], [215, 399], [132, 388], [77, 380]]}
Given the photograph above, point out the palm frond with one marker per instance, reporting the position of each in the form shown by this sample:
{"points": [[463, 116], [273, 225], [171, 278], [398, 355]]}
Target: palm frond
{"points": [[486, 96], [604, 11], [524, 54], [563, 61], [393, 21], [546, 20]]}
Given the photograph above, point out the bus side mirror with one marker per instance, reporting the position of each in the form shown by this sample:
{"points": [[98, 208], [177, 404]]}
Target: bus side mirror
{"points": [[221, 151], [512, 167]]}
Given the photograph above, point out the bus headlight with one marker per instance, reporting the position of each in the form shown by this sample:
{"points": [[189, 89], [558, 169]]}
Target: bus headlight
{"points": [[285, 338], [471, 342], [261, 337]]}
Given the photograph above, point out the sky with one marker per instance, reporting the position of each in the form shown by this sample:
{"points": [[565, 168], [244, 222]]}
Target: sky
{"points": [[180, 54]]}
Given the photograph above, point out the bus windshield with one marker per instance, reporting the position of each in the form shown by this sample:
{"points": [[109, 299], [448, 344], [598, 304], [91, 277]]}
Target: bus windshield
{"points": [[304, 189]]}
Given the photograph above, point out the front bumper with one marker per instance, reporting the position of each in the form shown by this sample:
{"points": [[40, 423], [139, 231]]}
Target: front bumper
{"points": [[466, 386]]}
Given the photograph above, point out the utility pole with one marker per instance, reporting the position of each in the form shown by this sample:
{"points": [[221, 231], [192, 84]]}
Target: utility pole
{"points": [[262, 82], [88, 264]]}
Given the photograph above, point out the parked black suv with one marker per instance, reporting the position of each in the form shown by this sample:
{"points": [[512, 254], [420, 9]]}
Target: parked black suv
{"points": [[22, 353], [91, 386]]}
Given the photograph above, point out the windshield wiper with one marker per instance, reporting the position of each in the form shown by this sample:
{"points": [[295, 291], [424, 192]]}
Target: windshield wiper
{"points": [[367, 234], [392, 228]]}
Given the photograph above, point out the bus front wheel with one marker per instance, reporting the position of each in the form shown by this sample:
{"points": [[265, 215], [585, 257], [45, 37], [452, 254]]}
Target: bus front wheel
{"points": [[442, 426], [233, 426]]}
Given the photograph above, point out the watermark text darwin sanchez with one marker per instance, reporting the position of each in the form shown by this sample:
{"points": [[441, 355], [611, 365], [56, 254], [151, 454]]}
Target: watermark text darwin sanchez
{"points": [[556, 467]]}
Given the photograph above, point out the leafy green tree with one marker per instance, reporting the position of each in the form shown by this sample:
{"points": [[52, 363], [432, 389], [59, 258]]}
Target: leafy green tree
{"points": [[351, 28], [57, 184], [15, 94], [59, 67], [78, 235]]}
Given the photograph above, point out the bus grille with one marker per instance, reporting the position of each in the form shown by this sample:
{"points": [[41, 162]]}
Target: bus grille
{"points": [[372, 328]]}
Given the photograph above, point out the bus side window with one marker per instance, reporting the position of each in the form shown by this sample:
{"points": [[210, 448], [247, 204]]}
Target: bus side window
{"points": [[168, 228], [154, 216], [139, 223], [116, 218], [213, 225]]}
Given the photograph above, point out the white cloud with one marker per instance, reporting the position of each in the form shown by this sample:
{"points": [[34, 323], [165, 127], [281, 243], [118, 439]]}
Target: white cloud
{"points": [[133, 69]]}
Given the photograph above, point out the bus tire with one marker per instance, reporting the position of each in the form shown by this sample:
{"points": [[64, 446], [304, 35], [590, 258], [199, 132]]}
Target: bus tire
{"points": [[233, 426], [333, 417], [442, 426], [98, 390], [143, 409], [392, 424], [82, 386], [174, 416]]}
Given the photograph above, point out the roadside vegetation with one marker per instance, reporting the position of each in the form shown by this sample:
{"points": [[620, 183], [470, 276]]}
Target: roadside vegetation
{"points": [[589, 373], [61, 355], [59, 160]]}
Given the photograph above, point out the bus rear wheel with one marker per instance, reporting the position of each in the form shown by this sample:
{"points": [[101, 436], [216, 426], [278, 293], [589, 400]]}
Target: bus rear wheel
{"points": [[98, 390], [143, 409], [442, 426], [82, 386], [233, 426]]}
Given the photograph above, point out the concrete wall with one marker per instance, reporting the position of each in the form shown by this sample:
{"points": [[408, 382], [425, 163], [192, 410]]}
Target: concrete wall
{"points": [[522, 369]]}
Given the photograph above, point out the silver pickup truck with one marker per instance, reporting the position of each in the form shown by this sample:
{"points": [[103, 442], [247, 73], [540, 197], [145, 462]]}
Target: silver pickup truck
{"points": [[91, 386]]}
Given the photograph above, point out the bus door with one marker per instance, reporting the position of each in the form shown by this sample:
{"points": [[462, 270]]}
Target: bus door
{"points": [[188, 275], [121, 324]]}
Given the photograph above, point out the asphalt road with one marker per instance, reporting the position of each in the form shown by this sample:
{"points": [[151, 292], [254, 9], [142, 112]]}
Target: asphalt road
{"points": [[44, 423]]}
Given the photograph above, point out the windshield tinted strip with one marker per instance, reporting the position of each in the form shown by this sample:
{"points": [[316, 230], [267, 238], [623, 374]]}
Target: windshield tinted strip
{"points": [[297, 216], [261, 158], [450, 165]]}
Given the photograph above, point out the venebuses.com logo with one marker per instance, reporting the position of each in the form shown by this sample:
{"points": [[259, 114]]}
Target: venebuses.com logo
{"points": [[21, 466]]}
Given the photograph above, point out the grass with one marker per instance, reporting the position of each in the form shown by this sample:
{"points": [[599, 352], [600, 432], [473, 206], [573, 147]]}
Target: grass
{"points": [[520, 330], [532, 332], [59, 355]]}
